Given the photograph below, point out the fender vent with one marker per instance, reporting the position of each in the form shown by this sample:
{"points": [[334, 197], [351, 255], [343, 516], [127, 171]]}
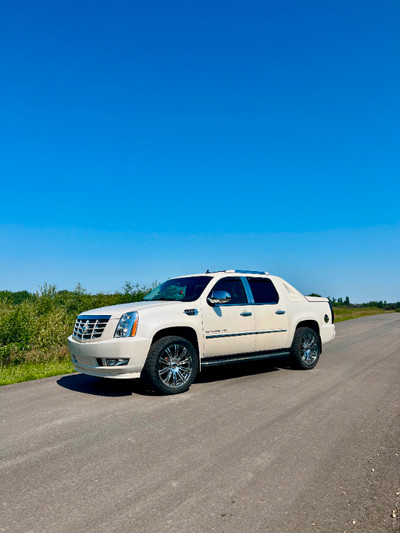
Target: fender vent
{"points": [[191, 312]]}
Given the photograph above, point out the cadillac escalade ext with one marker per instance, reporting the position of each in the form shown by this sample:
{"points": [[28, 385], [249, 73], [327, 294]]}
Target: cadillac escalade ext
{"points": [[195, 321]]}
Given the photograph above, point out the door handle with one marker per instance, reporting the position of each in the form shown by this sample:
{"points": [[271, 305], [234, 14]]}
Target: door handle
{"points": [[280, 312], [245, 313]]}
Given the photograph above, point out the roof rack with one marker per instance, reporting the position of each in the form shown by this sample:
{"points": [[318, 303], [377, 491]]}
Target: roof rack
{"points": [[239, 271], [251, 272]]}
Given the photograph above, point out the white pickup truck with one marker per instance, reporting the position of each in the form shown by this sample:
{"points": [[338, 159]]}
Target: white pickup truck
{"points": [[196, 321]]}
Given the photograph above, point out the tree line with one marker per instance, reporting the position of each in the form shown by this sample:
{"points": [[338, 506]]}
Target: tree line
{"points": [[381, 304], [132, 292]]}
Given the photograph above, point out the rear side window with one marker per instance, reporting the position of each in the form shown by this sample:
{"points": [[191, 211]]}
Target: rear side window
{"points": [[235, 288], [263, 291]]}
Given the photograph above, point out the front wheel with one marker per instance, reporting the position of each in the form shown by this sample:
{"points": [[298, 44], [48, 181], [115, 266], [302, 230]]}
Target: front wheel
{"points": [[171, 365], [306, 349]]}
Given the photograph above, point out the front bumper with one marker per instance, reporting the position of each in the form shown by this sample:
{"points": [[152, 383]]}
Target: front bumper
{"points": [[86, 356]]}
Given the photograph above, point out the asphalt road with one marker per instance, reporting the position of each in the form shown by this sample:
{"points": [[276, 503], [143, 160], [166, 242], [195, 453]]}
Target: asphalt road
{"points": [[250, 448]]}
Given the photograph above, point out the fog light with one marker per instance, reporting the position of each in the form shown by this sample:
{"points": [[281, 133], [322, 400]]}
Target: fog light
{"points": [[117, 362]]}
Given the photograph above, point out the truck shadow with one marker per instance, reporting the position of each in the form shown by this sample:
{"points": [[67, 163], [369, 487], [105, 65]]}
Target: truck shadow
{"points": [[115, 388], [241, 369], [112, 388]]}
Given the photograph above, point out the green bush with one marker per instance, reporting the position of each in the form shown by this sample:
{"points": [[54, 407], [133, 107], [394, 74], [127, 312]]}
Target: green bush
{"points": [[17, 330], [37, 326]]}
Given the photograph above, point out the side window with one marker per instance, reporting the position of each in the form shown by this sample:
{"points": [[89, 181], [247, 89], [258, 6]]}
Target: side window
{"points": [[263, 291], [235, 288]]}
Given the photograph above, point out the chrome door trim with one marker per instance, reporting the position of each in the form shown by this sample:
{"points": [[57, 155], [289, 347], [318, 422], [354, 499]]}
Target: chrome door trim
{"points": [[245, 333]]}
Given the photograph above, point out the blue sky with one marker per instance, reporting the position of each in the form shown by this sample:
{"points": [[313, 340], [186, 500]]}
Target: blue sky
{"points": [[143, 140]]}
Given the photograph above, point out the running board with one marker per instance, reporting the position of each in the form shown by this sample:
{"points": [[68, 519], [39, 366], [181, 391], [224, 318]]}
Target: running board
{"points": [[225, 360]]}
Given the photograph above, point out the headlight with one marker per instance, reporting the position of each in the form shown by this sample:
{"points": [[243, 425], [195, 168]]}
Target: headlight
{"points": [[127, 325]]}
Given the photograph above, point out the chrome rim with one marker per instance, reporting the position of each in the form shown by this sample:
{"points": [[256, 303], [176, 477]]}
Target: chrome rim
{"points": [[175, 366], [309, 349]]}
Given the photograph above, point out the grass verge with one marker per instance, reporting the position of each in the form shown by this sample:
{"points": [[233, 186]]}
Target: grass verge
{"points": [[347, 313], [28, 370]]}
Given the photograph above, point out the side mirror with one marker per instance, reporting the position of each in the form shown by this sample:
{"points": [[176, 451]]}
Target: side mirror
{"points": [[219, 297]]}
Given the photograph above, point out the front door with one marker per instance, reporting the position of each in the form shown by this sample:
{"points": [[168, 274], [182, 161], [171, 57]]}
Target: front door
{"points": [[229, 328]]}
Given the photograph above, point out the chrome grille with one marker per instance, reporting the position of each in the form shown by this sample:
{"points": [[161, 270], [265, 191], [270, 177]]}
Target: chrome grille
{"points": [[89, 327]]}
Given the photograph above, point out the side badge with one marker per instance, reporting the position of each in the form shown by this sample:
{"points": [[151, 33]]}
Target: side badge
{"points": [[191, 312]]}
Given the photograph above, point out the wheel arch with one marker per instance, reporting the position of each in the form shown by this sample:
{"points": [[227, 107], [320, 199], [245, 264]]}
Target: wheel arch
{"points": [[186, 332], [312, 324]]}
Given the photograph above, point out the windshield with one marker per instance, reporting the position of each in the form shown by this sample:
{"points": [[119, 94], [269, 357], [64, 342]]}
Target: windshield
{"points": [[180, 289]]}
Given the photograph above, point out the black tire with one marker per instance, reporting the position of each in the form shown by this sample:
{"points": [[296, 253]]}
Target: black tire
{"points": [[171, 366], [306, 349]]}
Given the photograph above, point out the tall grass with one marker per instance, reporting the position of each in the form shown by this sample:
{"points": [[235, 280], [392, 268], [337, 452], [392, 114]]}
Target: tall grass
{"points": [[34, 330]]}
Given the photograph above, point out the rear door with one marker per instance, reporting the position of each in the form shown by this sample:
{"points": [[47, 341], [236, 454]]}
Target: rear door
{"points": [[270, 314], [229, 328]]}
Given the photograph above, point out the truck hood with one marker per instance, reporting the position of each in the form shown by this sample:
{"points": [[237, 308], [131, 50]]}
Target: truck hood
{"points": [[316, 299], [116, 311]]}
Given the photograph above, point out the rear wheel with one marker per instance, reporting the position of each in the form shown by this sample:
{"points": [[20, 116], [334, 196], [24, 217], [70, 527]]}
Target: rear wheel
{"points": [[306, 349], [171, 365]]}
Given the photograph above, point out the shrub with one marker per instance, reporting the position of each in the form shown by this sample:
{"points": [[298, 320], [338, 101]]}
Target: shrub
{"points": [[37, 326]]}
